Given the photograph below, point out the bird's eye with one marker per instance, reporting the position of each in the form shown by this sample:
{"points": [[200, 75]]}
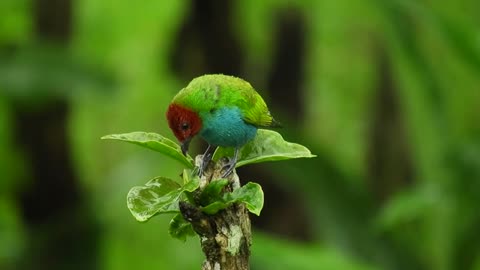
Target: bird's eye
{"points": [[185, 126]]}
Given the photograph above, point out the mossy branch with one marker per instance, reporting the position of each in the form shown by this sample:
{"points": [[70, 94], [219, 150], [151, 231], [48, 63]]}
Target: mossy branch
{"points": [[225, 236]]}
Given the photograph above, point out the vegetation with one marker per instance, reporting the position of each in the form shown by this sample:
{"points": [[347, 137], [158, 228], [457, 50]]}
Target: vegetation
{"points": [[385, 93]]}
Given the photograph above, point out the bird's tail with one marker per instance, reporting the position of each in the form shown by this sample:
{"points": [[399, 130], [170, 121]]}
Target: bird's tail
{"points": [[275, 124], [271, 124]]}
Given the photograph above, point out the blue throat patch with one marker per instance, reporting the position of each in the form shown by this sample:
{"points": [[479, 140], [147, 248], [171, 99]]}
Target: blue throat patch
{"points": [[225, 127]]}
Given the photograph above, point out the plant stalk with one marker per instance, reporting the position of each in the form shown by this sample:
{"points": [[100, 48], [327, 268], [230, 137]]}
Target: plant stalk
{"points": [[225, 237]]}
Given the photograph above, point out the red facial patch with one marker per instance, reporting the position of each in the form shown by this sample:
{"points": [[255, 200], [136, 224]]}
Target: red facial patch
{"points": [[183, 122]]}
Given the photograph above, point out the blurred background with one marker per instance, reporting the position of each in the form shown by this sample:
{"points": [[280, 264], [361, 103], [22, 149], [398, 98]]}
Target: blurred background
{"points": [[385, 92]]}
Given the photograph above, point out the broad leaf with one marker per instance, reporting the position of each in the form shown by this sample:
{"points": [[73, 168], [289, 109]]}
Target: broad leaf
{"points": [[159, 195], [154, 142], [268, 145], [191, 181], [180, 228], [212, 191], [214, 207], [251, 194]]}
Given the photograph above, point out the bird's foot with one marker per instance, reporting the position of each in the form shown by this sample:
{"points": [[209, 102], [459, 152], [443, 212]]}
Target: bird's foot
{"points": [[203, 166], [228, 168], [230, 165], [207, 157]]}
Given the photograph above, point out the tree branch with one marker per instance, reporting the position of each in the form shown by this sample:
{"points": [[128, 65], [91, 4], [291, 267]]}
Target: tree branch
{"points": [[225, 237]]}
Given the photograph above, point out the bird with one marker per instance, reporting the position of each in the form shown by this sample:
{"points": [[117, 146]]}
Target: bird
{"points": [[223, 110]]}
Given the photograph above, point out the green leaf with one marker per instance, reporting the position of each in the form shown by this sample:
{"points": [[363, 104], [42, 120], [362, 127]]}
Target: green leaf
{"points": [[154, 142], [180, 228], [268, 145], [159, 195], [251, 194], [191, 180], [214, 207], [212, 191]]}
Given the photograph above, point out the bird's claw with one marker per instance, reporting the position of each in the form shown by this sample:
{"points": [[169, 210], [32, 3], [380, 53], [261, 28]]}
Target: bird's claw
{"points": [[203, 167], [228, 168], [207, 157]]}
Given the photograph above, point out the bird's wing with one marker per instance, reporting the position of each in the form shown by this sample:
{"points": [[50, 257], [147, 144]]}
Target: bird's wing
{"points": [[255, 110], [210, 92]]}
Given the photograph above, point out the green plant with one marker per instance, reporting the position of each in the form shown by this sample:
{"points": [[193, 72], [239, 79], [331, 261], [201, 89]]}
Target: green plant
{"points": [[204, 204]]}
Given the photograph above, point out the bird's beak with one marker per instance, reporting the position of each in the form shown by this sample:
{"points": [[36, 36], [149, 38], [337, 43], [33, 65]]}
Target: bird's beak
{"points": [[185, 145]]}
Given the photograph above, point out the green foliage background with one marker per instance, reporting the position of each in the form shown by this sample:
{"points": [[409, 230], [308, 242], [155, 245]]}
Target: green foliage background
{"points": [[358, 213]]}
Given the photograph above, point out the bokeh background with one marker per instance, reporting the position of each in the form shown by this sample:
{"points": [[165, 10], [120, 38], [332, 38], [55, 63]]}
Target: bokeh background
{"points": [[385, 92]]}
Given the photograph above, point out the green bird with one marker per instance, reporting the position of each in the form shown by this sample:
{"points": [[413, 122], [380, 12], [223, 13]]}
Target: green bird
{"points": [[224, 110]]}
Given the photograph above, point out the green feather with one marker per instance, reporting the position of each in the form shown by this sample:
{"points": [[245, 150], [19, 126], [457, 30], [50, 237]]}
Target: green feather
{"points": [[211, 92]]}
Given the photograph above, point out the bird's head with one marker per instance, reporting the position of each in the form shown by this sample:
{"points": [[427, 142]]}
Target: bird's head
{"points": [[184, 123]]}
